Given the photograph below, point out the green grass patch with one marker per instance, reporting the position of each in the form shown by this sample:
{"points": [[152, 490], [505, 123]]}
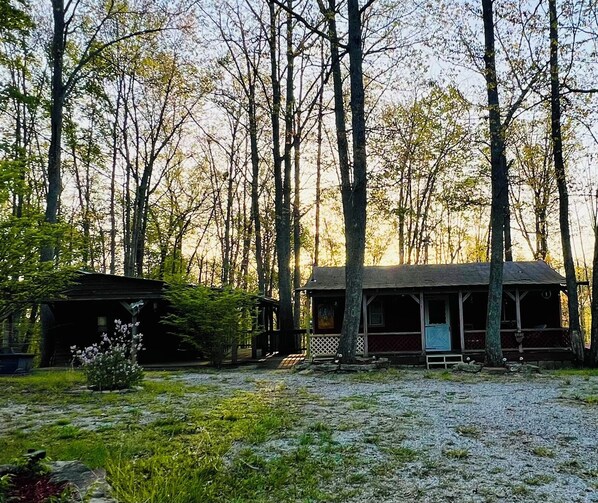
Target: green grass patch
{"points": [[538, 480], [469, 431], [456, 453], [543, 452], [360, 402], [401, 454], [520, 490], [575, 372], [40, 387], [196, 465], [588, 399], [376, 376]]}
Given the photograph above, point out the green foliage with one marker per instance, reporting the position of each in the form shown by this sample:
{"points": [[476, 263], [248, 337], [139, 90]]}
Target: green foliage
{"points": [[14, 19], [209, 319], [4, 485]]}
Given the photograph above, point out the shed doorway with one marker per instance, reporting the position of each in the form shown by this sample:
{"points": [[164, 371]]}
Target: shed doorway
{"points": [[437, 324]]}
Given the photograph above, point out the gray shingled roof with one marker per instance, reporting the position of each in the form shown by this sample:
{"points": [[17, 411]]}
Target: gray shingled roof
{"points": [[436, 275]]}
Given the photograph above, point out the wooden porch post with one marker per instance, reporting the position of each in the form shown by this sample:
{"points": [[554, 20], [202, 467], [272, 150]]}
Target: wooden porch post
{"points": [[365, 324], [518, 309], [422, 321], [461, 327]]}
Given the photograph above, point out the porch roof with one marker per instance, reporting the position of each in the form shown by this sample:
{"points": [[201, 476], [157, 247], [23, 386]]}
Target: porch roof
{"points": [[435, 276]]}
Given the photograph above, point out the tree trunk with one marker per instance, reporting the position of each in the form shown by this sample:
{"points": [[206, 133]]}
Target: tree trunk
{"points": [[319, 141], [561, 177], [297, 226], [48, 250], [594, 306], [281, 195], [255, 183], [507, 222], [499, 194], [353, 182]]}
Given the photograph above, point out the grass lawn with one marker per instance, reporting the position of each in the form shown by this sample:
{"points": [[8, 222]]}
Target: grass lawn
{"points": [[262, 436], [169, 442]]}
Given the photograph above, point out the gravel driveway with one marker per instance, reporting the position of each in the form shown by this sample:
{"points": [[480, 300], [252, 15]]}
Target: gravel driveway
{"points": [[435, 437]]}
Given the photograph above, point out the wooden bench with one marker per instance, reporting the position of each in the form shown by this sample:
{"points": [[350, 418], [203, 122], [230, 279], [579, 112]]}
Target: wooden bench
{"points": [[443, 360]]}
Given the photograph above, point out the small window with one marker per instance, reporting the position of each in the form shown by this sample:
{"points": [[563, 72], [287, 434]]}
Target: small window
{"points": [[436, 311], [102, 324], [375, 314], [326, 316]]}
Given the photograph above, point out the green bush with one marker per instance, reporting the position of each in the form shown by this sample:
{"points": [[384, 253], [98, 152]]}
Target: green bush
{"points": [[209, 319]]}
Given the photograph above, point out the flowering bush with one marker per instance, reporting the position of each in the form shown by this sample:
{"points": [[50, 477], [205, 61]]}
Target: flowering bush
{"points": [[112, 364]]}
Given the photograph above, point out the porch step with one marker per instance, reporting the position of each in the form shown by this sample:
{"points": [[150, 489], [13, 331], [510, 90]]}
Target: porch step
{"points": [[443, 360]]}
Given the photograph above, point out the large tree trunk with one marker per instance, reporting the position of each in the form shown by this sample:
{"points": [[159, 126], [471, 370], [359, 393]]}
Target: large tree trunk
{"points": [[48, 249], [594, 306], [281, 198], [499, 194], [561, 177], [353, 182]]}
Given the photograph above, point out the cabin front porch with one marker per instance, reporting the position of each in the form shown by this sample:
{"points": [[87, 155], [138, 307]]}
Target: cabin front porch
{"points": [[405, 326]]}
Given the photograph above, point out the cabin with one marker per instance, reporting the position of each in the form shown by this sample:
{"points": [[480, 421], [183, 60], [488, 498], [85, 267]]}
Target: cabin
{"points": [[410, 311], [90, 306]]}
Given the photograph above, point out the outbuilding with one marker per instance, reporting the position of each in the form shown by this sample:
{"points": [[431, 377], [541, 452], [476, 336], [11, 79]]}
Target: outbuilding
{"points": [[93, 303]]}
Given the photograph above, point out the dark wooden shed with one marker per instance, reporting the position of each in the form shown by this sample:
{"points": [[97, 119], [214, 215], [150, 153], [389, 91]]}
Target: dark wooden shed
{"points": [[95, 301]]}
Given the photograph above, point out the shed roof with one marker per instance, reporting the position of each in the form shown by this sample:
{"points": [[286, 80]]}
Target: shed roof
{"points": [[435, 276], [100, 286]]}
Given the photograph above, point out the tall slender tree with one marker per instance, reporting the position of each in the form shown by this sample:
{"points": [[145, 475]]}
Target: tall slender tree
{"points": [[499, 192], [561, 177]]}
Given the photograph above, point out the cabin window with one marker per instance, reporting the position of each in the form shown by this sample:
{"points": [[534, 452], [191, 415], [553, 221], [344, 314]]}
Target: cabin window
{"points": [[103, 324], [508, 315], [436, 311], [375, 314], [326, 315]]}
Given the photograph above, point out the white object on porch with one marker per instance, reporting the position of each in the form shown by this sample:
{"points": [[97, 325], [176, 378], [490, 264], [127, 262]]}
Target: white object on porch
{"points": [[443, 360]]}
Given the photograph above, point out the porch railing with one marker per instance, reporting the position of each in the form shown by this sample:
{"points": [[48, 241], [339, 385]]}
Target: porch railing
{"points": [[531, 338], [324, 345]]}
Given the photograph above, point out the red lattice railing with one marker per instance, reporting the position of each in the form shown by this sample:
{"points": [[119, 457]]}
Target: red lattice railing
{"points": [[532, 338], [394, 343]]}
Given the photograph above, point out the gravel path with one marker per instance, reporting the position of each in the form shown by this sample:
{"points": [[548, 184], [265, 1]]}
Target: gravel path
{"points": [[483, 439]]}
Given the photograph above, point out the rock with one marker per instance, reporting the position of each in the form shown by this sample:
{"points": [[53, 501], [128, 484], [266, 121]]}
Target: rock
{"points": [[326, 367], [526, 368], [302, 366], [34, 456], [382, 363], [357, 367], [472, 368], [495, 370], [5, 469], [87, 483]]}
